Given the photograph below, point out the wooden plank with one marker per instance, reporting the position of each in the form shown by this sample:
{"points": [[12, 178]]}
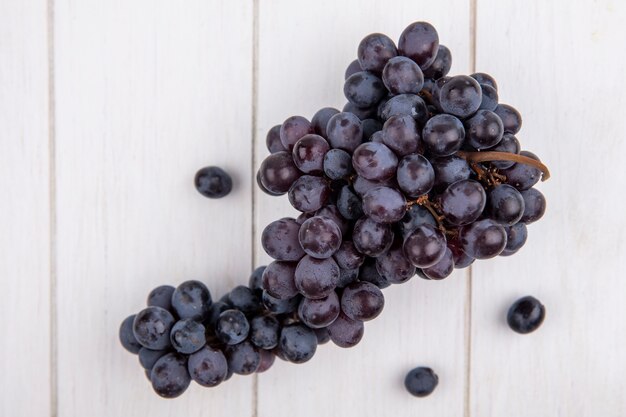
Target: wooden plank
{"points": [[303, 52], [24, 210], [148, 92], [557, 62]]}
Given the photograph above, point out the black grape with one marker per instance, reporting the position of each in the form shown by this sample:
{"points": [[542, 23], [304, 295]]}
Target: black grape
{"points": [[148, 357], [344, 131], [510, 144], [309, 193], [374, 161], [364, 89], [320, 237], [405, 105], [460, 96], [244, 299], [483, 239], [353, 68], [297, 343], [400, 135], [309, 152], [243, 359], [321, 312], [266, 362], [278, 280], [421, 382], [362, 301], [191, 299], [316, 278], [374, 52], [394, 266], [485, 79], [441, 269], [161, 297], [208, 366], [346, 332], [522, 176], [347, 276], [463, 202], [511, 118], [506, 205], [272, 140], [187, 336], [490, 98], [320, 120], [384, 205], [127, 338], [484, 130], [371, 238], [347, 256], [420, 42], [256, 279], [169, 375], [526, 315], [402, 75], [322, 335], [534, 205], [349, 204], [425, 246], [450, 169], [415, 216], [151, 327], [232, 327], [332, 212], [278, 172], [280, 240], [361, 113], [516, 236], [370, 126], [337, 164], [369, 273], [293, 129], [213, 182], [280, 306], [415, 175], [264, 332], [443, 135]]}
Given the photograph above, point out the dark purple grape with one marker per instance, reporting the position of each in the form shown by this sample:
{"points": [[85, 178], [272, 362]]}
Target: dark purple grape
{"points": [[522, 176], [148, 357], [338, 164], [278, 173], [450, 169], [309, 193], [245, 299], [405, 105], [362, 186], [362, 301], [534, 205], [213, 182], [364, 89], [430, 93], [278, 306], [510, 144], [384, 205], [415, 175], [511, 119], [293, 129], [415, 216], [505, 205], [347, 277], [232, 327], [485, 79], [370, 126], [374, 52], [308, 153], [347, 257], [345, 332], [377, 137], [316, 278], [369, 273], [161, 297], [463, 202], [353, 68], [127, 338], [256, 279], [191, 299], [516, 236], [421, 382], [262, 187], [278, 280], [332, 212], [425, 246], [344, 131], [490, 98], [441, 65], [217, 308], [460, 258], [400, 135], [321, 118], [420, 42], [187, 336], [371, 238], [280, 240], [484, 130], [272, 140], [151, 328], [243, 359], [394, 266], [208, 367], [460, 96], [264, 332], [483, 239], [297, 343], [319, 313], [320, 237], [361, 113], [374, 161], [322, 336], [443, 135], [441, 269], [526, 315], [267, 360], [349, 204], [402, 75], [169, 375]]}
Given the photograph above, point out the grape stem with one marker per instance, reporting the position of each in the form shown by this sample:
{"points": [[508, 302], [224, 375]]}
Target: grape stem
{"points": [[430, 206], [476, 157]]}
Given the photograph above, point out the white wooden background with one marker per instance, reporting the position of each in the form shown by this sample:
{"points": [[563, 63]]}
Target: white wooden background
{"points": [[108, 108]]}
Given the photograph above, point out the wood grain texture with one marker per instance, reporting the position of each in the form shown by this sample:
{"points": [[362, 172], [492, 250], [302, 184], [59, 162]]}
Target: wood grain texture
{"points": [[563, 68], [304, 48], [24, 210], [147, 93]]}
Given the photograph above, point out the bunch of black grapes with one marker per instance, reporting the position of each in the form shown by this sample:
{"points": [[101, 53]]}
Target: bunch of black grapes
{"points": [[419, 174]]}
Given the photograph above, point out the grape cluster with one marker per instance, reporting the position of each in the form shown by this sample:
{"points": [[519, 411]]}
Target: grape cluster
{"points": [[419, 174]]}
